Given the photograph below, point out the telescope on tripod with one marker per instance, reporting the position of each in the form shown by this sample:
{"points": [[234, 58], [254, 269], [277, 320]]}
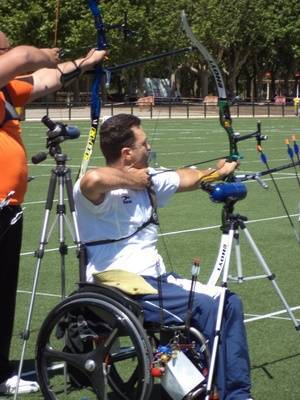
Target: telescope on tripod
{"points": [[232, 224], [56, 134], [60, 177]]}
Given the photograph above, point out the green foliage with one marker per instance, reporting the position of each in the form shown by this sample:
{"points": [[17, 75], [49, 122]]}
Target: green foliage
{"points": [[246, 37]]}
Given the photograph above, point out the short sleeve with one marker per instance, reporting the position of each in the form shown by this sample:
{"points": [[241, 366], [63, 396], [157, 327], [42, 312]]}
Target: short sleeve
{"points": [[165, 184], [19, 91]]}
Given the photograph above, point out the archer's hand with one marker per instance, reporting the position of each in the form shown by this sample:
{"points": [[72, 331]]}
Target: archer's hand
{"points": [[227, 167], [51, 56], [223, 161], [94, 57], [139, 177]]}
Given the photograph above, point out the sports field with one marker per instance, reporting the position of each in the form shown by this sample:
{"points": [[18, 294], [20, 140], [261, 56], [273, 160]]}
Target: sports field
{"points": [[190, 228]]}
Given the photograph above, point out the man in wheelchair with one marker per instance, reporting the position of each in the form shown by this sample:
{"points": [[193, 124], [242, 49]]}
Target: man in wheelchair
{"points": [[116, 211]]}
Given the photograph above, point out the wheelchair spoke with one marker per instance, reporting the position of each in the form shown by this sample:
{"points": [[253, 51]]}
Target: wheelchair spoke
{"points": [[110, 354]]}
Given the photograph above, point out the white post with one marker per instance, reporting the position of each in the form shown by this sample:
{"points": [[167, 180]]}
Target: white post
{"points": [[268, 90]]}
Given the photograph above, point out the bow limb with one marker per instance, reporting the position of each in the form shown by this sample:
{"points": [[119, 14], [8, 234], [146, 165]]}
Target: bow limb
{"points": [[96, 87], [224, 111]]}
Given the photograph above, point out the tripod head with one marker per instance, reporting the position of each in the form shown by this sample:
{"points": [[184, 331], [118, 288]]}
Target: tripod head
{"points": [[56, 134], [227, 193]]}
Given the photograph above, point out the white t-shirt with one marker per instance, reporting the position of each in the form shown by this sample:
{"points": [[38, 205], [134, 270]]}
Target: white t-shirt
{"points": [[121, 213]]}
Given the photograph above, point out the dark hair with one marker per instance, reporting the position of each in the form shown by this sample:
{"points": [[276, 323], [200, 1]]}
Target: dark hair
{"points": [[115, 134]]}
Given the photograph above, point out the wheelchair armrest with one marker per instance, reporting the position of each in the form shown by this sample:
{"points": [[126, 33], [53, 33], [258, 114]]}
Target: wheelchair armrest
{"points": [[114, 294]]}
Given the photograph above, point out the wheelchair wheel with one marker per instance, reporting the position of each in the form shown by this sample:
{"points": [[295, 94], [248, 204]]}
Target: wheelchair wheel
{"points": [[114, 357]]}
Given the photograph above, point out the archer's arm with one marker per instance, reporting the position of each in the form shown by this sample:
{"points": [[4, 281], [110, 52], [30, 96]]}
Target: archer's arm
{"points": [[96, 182], [191, 178], [49, 80], [22, 59]]}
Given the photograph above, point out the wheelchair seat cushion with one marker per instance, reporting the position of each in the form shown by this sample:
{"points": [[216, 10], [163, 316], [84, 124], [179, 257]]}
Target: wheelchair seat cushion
{"points": [[127, 282], [111, 293]]}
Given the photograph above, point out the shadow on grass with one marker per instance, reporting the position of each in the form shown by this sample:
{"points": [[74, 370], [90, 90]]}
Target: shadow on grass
{"points": [[28, 373], [264, 366]]}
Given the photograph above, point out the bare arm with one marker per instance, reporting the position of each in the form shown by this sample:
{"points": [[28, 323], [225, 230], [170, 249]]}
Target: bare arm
{"points": [[191, 178], [23, 59], [49, 80], [95, 183]]}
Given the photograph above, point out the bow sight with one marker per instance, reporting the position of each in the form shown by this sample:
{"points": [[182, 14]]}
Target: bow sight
{"points": [[257, 135]]}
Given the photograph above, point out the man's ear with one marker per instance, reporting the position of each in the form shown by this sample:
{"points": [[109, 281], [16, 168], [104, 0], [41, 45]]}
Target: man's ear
{"points": [[126, 153]]}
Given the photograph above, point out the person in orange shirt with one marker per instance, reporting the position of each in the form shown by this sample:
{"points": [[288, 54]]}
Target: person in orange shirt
{"points": [[17, 88]]}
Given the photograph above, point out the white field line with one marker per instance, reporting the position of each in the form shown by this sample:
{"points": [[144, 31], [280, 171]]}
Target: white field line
{"points": [[218, 226], [273, 315], [286, 175], [168, 154], [39, 293], [206, 228], [253, 318]]}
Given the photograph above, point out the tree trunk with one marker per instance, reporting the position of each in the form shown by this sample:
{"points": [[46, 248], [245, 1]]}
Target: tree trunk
{"points": [[204, 82], [140, 82], [232, 85]]}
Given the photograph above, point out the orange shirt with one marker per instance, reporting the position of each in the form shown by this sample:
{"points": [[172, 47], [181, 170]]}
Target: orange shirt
{"points": [[13, 160]]}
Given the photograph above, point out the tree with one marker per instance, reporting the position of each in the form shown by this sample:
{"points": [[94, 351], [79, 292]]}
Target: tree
{"points": [[247, 38]]}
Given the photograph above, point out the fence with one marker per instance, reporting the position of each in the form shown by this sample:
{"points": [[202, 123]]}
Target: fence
{"points": [[75, 111]]}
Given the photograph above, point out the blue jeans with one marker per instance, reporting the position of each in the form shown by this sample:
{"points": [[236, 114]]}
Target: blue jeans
{"points": [[233, 366]]}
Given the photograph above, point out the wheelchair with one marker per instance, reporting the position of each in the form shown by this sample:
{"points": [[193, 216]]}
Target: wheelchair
{"points": [[95, 345]]}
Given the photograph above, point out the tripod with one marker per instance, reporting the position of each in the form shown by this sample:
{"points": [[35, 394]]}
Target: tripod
{"points": [[61, 177], [232, 223]]}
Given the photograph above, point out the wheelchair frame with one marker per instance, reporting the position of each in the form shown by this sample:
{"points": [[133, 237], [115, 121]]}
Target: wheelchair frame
{"points": [[122, 357]]}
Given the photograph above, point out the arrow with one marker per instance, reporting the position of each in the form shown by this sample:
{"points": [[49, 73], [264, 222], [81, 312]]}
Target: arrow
{"points": [[264, 160], [291, 155]]}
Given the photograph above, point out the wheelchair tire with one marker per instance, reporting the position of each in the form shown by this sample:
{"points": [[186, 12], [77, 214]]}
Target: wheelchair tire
{"points": [[116, 367]]}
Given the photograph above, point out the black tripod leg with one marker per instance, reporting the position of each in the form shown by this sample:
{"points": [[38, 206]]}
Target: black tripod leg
{"points": [[63, 248], [69, 188], [39, 255], [81, 250]]}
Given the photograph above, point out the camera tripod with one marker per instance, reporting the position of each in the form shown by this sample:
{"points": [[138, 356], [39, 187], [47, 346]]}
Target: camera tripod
{"points": [[232, 223], [61, 178]]}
